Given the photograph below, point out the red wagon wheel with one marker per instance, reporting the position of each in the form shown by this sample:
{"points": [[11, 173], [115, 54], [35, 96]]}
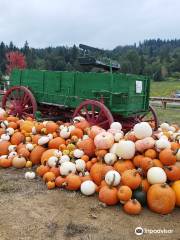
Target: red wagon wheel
{"points": [[96, 113], [19, 101], [150, 117]]}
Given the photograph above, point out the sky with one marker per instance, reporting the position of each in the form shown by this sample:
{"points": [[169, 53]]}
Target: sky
{"points": [[98, 23]]}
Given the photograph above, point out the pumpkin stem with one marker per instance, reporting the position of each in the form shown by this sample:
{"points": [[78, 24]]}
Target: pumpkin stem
{"points": [[134, 201], [164, 185], [112, 183]]}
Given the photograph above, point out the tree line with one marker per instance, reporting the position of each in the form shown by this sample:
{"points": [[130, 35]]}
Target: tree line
{"points": [[157, 58]]}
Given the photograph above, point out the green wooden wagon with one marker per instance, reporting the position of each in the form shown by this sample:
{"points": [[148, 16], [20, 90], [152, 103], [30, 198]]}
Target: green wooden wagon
{"points": [[99, 97]]}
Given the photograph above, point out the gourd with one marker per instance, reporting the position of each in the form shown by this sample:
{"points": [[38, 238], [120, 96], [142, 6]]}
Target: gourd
{"points": [[125, 149], [52, 161], [156, 175], [88, 188], [140, 195], [142, 130], [64, 158], [116, 125], [43, 140], [65, 133]]}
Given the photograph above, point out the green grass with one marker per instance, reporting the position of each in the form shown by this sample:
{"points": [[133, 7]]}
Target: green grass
{"points": [[170, 115], [164, 88]]}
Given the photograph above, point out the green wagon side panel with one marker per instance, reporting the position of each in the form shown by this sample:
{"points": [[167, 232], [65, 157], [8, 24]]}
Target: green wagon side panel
{"points": [[123, 94]]}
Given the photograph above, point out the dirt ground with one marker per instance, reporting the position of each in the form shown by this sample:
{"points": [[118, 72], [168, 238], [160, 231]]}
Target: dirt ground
{"points": [[28, 211]]}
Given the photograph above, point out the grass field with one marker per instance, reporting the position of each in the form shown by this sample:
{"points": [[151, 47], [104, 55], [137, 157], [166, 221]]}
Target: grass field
{"points": [[170, 115], [164, 88]]}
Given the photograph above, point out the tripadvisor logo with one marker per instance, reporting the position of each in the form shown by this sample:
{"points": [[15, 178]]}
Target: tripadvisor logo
{"points": [[139, 231]]}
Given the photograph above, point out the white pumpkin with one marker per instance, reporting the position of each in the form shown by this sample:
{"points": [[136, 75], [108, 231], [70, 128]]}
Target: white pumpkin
{"points": [[57, 153], [116, 125], [2, 112], [12, 148], [118, 136], [71, 128], [172, 129], [85, 137], [64, 158], [10, 131], [104, 140], [178, 155], [88, 188], [50, 136], [110, 158], [52, 161], [142, 130], [78, 119], [4, 124], [112, 178], [43, 140], [164, 126], [30, 175], [67, 167], [113, 148], [156, 175], [125, 149], [65, 133], [5, 137], [3, 156], [29, 146], [33, 130], [80, 165], [45, 123], [12, 154], [162, 143], [78, 153]]}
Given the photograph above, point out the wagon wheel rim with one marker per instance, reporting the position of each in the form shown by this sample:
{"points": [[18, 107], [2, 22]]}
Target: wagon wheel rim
{"points": [[96, 113], [20, 102], [152, 120]]}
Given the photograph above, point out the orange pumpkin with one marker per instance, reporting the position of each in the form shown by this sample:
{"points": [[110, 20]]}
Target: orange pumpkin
{"points": [[5, 162], [50, 185], [12, 119], [35, 138], [146, 163], [41, 170], [56, 142], [26, 126], [59, 181], [87, 146], [77, 132], [145, 185], [161, 198], [167, 157], [176, 188], [157, 163], [51, 127], [55, 170], [89, 165], [17, 138], [96, 172], [108, 195], [46, 155], [49, 176], [73, 182], [36, 153], [131, 178], [13, 125], [24, 152], [172, 172], [150, 153], [4, 147], [175, 146], [85, 178], [137, 160], [82, 124], [124, 193], [132, 207], [123, 165]]}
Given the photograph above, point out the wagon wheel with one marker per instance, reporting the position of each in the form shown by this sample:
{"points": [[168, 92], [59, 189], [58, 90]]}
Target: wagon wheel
{"points": [[96, 113], [19, 101], [150, 117]]}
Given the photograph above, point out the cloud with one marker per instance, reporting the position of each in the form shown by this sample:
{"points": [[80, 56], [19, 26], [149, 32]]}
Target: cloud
{"points": [[100, 23]]}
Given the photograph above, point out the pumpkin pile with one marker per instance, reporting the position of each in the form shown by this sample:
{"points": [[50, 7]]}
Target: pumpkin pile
{"points": [[134, 169]]}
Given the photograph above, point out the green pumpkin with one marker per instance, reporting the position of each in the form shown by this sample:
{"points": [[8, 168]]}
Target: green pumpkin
{"points": [[140, 195]]}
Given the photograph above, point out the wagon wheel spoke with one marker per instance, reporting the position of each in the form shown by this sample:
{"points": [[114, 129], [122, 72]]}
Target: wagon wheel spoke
{"points": [[19, 101], [95, 112]]}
